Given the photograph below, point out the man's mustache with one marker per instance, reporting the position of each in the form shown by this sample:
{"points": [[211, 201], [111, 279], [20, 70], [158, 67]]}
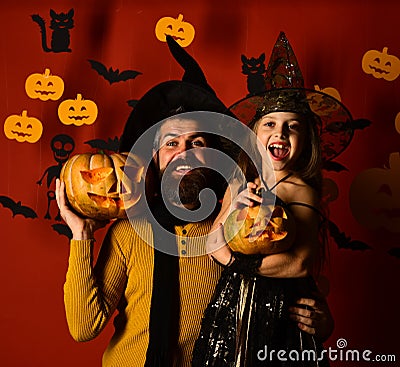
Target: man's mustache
{"points": [[189, 162]]}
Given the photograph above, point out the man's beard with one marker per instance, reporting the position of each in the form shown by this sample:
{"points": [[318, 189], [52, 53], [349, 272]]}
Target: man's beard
{"points": [[185, 190]]}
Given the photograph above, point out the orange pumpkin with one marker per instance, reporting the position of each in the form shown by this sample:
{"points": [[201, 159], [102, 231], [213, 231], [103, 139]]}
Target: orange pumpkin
{"points": [[77, 111], [101, 186], [23, 128], [257, 230], [182, 32], [44, 86], [375, 196], [381, 64], [397, 122]]}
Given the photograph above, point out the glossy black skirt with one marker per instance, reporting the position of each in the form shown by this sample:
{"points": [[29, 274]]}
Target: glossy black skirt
{"points": [[247, 324]]}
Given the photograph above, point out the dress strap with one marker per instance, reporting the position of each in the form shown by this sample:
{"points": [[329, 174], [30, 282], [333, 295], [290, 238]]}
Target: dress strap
{"points": [[281, 180]]}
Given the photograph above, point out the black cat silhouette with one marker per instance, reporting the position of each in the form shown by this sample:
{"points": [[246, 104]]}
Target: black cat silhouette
{"points": [[254, 68], [60, 23]]}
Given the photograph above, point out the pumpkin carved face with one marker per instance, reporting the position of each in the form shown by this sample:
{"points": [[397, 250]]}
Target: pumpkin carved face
{"points": [[375, 196], [44, 86], [77, 111], [257, 230], [182, 32], [23, 128], [381, 64], [101, 186]]}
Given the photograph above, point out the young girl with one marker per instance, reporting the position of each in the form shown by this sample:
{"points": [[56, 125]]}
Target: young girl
{"points": [[247, 322]]}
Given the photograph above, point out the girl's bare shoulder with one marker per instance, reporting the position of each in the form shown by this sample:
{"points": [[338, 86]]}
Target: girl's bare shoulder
{"points": [[294, 189]]}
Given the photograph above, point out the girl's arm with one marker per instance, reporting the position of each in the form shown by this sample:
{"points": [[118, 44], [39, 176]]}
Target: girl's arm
{"points": [[299, 259], [217, 247]]}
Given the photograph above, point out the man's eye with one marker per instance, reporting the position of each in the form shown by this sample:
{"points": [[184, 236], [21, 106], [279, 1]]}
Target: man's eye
{"points": [[171, 144], [198, 143]]}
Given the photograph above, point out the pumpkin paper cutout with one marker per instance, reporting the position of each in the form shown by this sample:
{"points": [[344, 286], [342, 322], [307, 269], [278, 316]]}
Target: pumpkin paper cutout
{"points": [[375, 196], [23, 128], [77, 111], [329, 90], [381, 64], [397, 122], [44, 86], [102, 186], [182, 32], [257, 230]]}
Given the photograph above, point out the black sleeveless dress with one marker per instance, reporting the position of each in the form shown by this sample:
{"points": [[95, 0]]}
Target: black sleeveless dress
{"points": [[247, 323]]}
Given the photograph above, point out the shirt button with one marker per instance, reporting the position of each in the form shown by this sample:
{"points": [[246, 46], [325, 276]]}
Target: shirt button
{"points": [[183, 252], [184, 231], [183, 242]]}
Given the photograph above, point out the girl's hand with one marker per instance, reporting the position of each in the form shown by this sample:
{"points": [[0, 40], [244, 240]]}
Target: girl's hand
{"points": [[82, 228], [247, 197]]}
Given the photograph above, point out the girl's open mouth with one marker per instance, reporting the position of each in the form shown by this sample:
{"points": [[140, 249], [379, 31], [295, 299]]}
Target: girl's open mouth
{"points": [[278, 150]]}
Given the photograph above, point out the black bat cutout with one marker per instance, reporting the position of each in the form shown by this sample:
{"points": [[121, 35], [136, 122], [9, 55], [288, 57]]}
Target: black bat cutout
{"points": [[334, 166], [132, 102], [110, 144], [113, 76], [62, 229], [395, 251], [17, 208], [343, 241]]}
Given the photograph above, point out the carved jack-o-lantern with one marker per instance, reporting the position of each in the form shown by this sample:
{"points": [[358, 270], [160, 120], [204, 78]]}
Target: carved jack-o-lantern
{"points": [[397, 122], [375, 196], [77, 111], [23, 128], [44, 86], [258, 230], [182, 32], [104, 186], [381, 64]]}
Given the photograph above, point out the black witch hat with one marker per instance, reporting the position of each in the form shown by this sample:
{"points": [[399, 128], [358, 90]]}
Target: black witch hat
{"points": [[168, 98]]}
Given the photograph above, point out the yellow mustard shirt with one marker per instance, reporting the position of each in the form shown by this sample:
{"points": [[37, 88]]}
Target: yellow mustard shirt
{"points": [[122, 280]]}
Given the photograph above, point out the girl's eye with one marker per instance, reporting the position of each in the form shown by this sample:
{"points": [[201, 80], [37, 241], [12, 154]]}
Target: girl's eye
{"points": [[294, 126], [269, 124]]}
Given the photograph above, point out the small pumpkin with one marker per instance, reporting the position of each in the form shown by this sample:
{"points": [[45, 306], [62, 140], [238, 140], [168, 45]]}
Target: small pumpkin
{"points": [[44, 86], [381, 64], [23, 128], [77, 111], [375, 196], [102, 186], [330, 91], [182, 32], [257, 230]]}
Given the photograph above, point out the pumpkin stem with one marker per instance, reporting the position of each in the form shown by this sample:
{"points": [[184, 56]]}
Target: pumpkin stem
{"points": [[394, 161], [24, 113], [79, 97], [384, 51], [317, 88], [46, 73], [180, 17]]}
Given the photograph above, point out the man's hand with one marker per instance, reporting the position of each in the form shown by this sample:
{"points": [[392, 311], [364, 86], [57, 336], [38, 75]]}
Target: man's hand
{"points": [[313, 317], [82, 228]]}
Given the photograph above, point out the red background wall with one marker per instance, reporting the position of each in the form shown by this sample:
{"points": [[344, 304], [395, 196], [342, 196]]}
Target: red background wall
{"points": [[329, 39]]}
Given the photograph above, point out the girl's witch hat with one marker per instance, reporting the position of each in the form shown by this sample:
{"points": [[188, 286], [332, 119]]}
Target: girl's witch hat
{"points": [[285, 91]]}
